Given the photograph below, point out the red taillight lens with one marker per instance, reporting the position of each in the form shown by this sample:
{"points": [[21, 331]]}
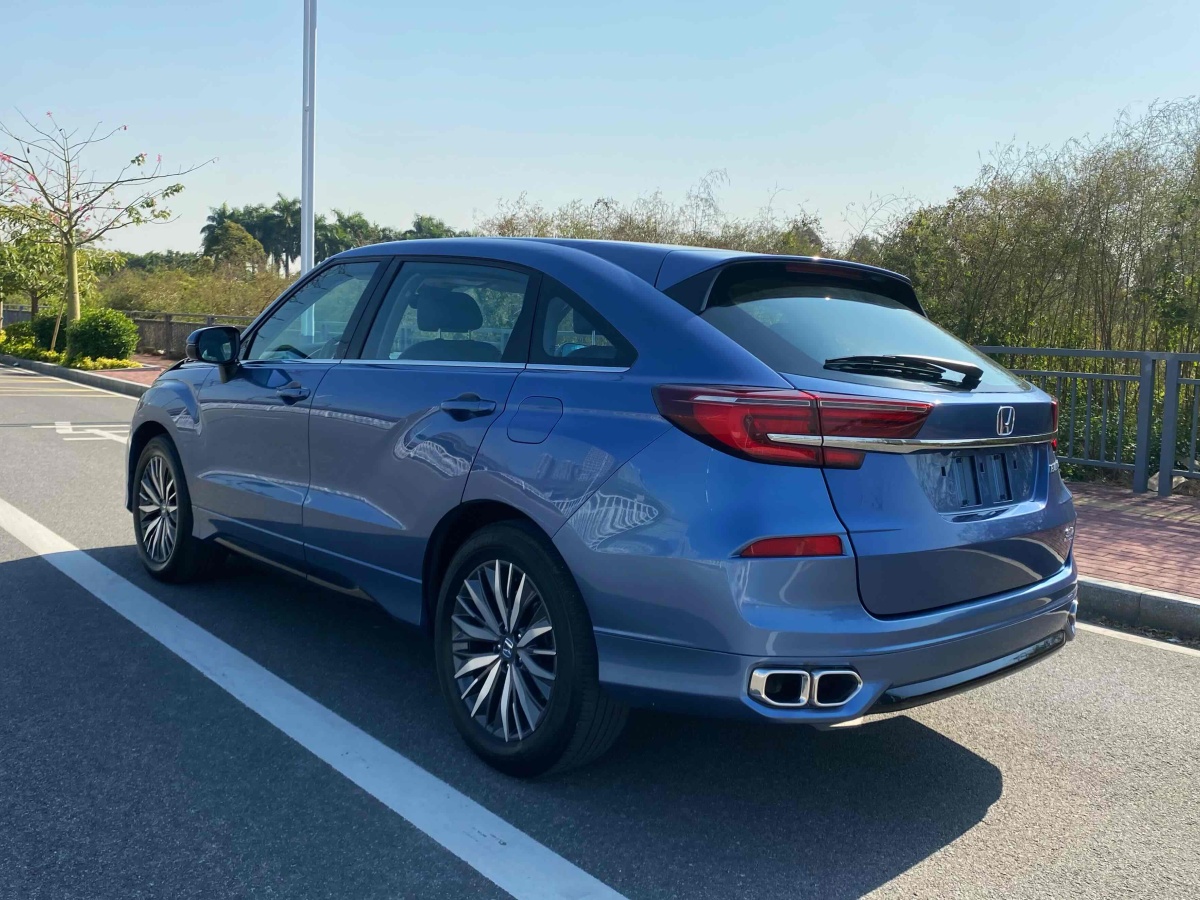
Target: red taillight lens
{"points": [[787, 426], [1054, 423], [811, 545]]}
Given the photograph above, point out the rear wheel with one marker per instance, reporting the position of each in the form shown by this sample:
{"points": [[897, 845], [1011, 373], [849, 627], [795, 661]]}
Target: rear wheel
{"points": [[162, 518], [516, 657]]}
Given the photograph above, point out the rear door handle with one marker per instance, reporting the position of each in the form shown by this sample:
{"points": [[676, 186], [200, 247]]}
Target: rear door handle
{"points": [[292, 392], [468, 406]]}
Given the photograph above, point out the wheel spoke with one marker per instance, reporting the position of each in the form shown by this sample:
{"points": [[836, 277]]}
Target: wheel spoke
{"points": [[498, 594], [535, 631], [481, 604], [473, 631], [515, 617], [529, 706], [477, 662], [534, 668], [505, 700], [486, 690]]}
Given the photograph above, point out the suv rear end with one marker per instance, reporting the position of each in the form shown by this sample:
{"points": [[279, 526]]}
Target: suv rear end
{"points": [[883, 526]]}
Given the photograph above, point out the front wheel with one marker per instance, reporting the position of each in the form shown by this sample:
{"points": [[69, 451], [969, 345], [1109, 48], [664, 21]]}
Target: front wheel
{"points": [[516, 657], [162, 518]]}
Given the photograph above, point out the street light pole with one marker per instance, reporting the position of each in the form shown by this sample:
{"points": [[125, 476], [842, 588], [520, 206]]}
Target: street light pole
{"points": [[307, 218]]}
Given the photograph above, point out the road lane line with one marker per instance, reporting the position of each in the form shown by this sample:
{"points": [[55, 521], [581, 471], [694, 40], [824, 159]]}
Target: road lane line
{"points": [[497, 850], [1137, 639]]}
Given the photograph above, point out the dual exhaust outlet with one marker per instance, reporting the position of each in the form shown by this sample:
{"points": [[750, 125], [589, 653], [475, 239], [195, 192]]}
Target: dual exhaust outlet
{"points": [[794, 688]]}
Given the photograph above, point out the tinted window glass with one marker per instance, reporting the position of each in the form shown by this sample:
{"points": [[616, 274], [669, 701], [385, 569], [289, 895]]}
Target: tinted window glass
{"points": [[454, 312], [311, 324], [795, 323], [569, 332]]}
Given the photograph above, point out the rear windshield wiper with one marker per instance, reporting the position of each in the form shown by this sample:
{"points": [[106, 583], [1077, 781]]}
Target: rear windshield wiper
{"points": [[916, 368]]}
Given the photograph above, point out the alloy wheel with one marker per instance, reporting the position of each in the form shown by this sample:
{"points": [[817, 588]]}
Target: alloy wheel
{"points": [[158, 510], [503, 650]]}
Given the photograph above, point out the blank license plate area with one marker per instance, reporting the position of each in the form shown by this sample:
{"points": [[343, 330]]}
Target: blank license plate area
{"points": [[980, 479]]}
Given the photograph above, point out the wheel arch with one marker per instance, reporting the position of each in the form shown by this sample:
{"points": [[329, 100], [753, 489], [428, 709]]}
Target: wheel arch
{"points": [[141, 436], [450, 534]]}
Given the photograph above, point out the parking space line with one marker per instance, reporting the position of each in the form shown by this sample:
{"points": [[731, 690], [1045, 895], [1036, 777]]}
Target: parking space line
{"points": [[497, 850], [1137, 639]]}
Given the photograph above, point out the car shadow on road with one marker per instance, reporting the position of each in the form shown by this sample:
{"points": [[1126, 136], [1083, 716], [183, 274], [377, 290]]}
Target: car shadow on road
{"points": [[681, 806], [827, 814]]}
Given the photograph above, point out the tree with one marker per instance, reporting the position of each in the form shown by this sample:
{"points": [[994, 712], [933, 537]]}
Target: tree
{"points": [[31, 264], [430, 227], [234, 248], [47, 189], [287, 222]]}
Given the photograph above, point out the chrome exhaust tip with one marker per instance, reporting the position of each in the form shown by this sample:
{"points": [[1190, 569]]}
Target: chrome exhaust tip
{"points": [[835, 687], [1073, 613], [781, 688]]}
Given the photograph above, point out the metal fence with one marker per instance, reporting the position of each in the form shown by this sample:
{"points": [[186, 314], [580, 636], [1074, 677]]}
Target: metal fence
{"points": [[167, 333], [1119, 409]]}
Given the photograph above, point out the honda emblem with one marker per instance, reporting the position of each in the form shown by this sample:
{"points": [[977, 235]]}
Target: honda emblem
{"points": [[1006, 420]]}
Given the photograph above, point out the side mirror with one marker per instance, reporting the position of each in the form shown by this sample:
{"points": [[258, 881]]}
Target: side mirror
{"points": [[219, 344]]}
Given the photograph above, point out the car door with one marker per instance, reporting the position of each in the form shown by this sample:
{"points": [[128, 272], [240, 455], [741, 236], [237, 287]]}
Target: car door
{"points": [[394, 432], [251, 464]]}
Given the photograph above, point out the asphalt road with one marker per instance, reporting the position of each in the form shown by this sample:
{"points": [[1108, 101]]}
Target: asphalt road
{"points": [[125, 772]]}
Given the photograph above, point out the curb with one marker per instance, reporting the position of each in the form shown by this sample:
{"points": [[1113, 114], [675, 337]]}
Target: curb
{"points": [[91, 379], [1138, 607]]}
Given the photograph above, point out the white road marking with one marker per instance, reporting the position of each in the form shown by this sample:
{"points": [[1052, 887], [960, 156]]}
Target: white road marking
{"points": [[77, 386], [504, 854], [1137, 639], [89, 432]]}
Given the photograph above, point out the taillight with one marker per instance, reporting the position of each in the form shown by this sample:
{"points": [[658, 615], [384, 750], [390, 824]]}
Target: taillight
{"points": [[1054, 423], [787, 426]]}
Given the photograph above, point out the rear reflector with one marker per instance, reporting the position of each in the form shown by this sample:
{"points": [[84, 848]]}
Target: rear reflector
{"points": [[810, 545], [786, 426]]}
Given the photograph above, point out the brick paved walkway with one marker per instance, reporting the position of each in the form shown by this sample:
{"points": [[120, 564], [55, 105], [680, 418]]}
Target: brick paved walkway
{"points": [[1138, 538], [152, 368]]}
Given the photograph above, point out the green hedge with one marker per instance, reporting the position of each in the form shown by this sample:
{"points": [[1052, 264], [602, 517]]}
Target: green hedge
{"points": [[102, 333], [43, 331], [19, 333]]}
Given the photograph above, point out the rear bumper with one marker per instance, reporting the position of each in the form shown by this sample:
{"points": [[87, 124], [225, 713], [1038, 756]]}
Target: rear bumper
{"points": [[682, 679]]}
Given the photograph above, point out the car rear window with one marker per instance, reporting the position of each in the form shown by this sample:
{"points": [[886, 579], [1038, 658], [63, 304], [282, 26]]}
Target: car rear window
{"points": [[796, 321]]}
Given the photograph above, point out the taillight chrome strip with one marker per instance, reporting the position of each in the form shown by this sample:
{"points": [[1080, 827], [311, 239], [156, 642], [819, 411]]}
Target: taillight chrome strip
{"points": [[911, 445]]}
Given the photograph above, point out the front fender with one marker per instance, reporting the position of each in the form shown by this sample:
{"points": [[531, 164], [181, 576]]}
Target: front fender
{"points": [[172, 407]]}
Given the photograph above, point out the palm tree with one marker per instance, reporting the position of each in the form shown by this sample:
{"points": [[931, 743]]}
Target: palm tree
{"points": [[287, 230], [217, 216]]}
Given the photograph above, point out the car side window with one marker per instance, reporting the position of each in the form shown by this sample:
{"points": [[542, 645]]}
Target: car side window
{"points": [[452, 312], [312, 322], [568, 332]]}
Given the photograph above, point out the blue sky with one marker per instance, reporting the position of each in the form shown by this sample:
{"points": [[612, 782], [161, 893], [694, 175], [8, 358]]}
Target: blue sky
{"points": [[447, 108]]}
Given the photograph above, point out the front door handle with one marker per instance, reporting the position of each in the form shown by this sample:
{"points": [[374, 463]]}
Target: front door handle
{"points": [[468, 406], [292, 392]]}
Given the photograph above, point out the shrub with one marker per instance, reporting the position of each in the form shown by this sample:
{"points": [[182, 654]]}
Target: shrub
{"points": [[19, 333], [102, 333], [90, 365], [29, 350], [43, 331]]}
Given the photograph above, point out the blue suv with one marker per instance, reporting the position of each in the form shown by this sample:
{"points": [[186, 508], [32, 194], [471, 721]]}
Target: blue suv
{"points": [[605, 475]]}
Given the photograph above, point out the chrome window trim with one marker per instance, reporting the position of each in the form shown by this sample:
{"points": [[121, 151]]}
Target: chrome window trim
{"points": [[551, 367], [914, 445], [457, 363]]}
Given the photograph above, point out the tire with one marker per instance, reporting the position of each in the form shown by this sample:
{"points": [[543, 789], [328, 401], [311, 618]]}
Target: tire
{"points": [[578, 721], [168, 550]]}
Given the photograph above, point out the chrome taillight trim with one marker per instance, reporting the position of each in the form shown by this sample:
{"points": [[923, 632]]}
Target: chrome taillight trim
{"points": [[910, 445]]}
